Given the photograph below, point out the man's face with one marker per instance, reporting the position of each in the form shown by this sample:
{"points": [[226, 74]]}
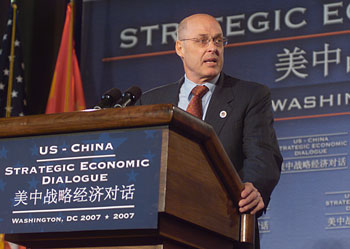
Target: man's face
{"points": [[202, 62]]}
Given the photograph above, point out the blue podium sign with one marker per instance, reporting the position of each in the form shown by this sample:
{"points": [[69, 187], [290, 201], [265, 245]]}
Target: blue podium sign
{"points": [[82, 181]]}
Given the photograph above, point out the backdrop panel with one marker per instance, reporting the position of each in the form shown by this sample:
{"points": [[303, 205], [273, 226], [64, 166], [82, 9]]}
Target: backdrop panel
{"points": [[297, 48]]}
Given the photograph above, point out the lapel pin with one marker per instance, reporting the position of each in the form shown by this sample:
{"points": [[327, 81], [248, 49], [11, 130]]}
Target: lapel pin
{"points": [[223, 114]]}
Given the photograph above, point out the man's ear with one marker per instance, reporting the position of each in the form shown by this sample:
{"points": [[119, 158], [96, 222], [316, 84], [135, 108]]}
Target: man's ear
{"points": [[179, 49]]}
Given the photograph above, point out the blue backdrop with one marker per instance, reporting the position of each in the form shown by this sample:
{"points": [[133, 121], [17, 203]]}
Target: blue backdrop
{"points": [[300, 49]]}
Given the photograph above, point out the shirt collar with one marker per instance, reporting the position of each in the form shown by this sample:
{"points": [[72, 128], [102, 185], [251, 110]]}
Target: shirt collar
{"points": [[188, 85]]}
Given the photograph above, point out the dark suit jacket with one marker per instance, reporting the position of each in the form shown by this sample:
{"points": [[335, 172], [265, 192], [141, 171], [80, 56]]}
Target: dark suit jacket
{"points": [[246, 132]]}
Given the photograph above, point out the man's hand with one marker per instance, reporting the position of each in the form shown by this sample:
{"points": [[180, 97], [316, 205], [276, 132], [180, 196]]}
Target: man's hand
{"points": [[251, 199]]}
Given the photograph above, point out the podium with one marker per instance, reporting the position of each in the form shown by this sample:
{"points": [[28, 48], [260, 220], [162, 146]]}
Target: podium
{"points": [[198, 187]]}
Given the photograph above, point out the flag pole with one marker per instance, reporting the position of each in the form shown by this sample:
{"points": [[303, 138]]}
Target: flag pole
{"points": [[12, 57]]}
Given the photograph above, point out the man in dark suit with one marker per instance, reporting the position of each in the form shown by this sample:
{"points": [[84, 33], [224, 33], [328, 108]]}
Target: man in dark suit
{"points": [[239, 111]]}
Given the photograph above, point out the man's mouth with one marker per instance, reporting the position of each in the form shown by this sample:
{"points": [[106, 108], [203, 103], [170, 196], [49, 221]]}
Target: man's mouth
{"points": [[211, 60]]}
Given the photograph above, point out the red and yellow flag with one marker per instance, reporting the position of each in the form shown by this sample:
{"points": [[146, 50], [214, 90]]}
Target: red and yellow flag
{"points": [[6, 245], [66, 93]]}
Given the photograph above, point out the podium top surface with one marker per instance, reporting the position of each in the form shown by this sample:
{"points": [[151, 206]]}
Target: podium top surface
{"points": [[130, 117]]}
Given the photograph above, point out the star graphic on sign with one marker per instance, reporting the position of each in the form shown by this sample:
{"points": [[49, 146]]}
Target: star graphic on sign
{"points": [[2, 86], [33, 183], [6, 72], [34, 150], [2, 185], [4, 37], [19, 79], [3, 152], [105, 138], [9, 22], [17, 43], [150, 133], [13, 202], [14, 94], [132, 176], [18, 165], [149, 155], [107, 217]]}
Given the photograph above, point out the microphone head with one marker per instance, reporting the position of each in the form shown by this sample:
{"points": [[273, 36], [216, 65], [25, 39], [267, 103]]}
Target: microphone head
{"points": [[129, 97], [109, 98], [113, 94], [135, 92]]}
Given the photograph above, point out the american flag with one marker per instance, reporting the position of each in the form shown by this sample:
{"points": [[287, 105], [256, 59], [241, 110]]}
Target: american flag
{"points": [[12, 88], [12, 97]]}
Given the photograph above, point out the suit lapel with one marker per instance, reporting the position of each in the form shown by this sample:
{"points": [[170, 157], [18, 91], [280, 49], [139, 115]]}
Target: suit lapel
{"points": [[173, 93], [220, 106]]}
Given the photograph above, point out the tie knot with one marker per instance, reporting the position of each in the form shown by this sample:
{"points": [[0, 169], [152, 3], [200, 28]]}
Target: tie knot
{"points": [[200, 91]]}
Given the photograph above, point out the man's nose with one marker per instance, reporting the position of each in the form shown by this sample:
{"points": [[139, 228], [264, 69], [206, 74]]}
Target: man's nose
{"points": [[212, 46]]}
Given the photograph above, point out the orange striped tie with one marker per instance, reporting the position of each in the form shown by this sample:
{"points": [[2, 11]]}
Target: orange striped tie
{"points": [[195, 106]]}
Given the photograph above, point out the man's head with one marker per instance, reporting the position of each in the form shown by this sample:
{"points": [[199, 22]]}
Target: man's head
{"points": [[202, 61]]}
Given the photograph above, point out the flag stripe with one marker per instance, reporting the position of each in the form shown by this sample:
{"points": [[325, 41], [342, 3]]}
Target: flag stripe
{"points": [[12, 60], [2, 241], [69, 81]]}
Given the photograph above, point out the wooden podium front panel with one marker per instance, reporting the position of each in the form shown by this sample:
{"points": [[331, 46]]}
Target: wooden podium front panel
{"points": [[189, 191], [194, 192]]}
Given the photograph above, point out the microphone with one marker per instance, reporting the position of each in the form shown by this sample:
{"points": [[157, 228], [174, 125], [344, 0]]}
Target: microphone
{"points": [[109, 98], [129, 97]]}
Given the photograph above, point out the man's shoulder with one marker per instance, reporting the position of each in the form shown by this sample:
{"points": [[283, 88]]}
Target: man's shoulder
{"points": [[240, 83], [163, 88], [244, 87]]}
